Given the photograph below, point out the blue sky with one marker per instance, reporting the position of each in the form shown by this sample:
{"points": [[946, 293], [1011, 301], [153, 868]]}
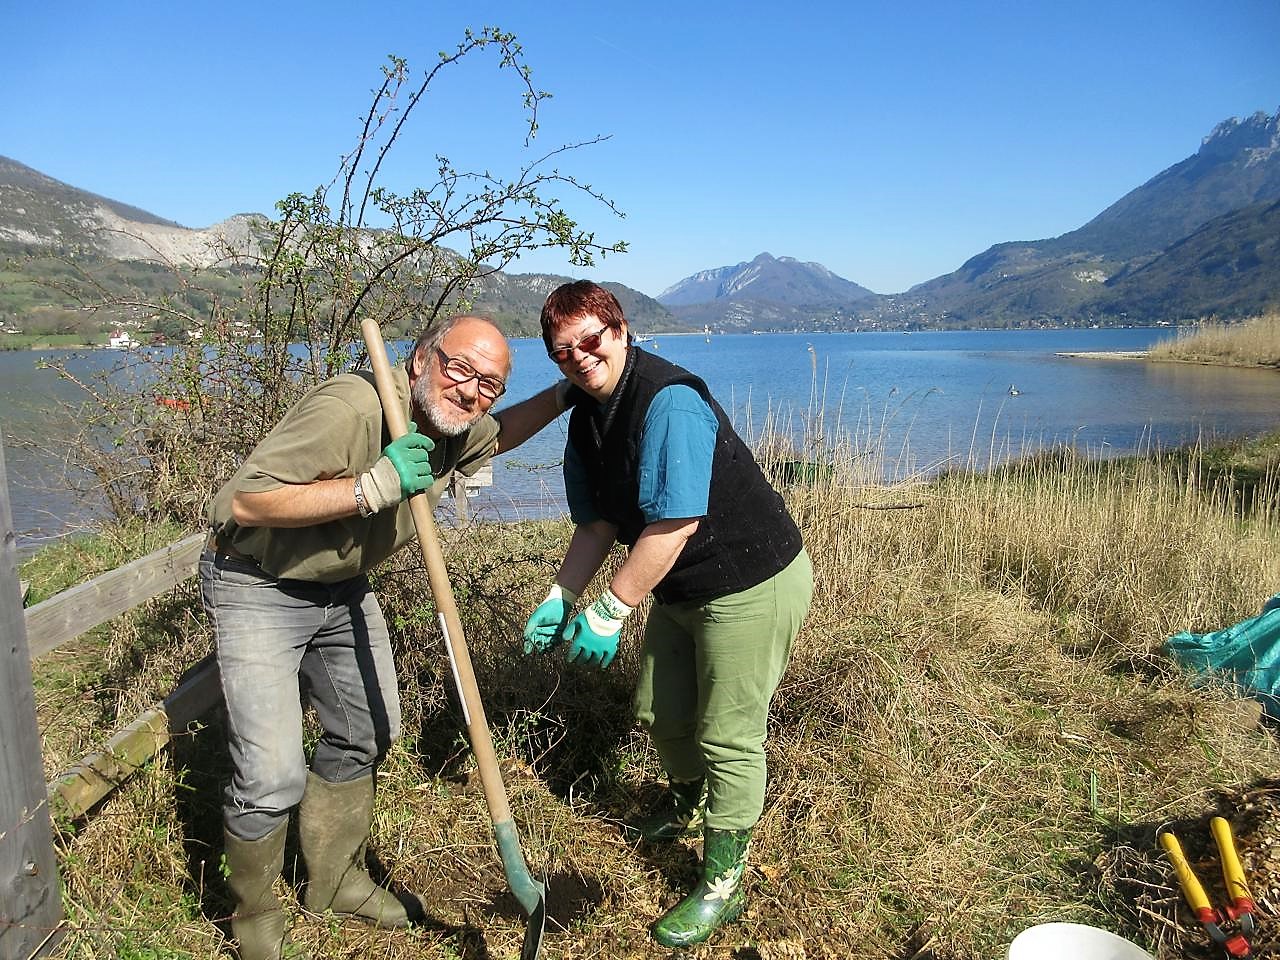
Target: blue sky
{"points": [[887, 141]]}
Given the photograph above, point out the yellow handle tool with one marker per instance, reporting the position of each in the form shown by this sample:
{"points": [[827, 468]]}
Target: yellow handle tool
{"points": [[1241, 907], [1191, 887]]}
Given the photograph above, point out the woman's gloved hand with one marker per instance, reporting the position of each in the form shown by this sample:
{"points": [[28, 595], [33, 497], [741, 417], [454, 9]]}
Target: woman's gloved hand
{"points": [[593, 634], [545, 628]]}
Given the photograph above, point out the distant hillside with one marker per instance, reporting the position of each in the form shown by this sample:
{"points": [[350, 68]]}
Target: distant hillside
{"points": [[1229, 268], [1197, 239], [1067, 279], [781, 280], [767, 292], [1238, 164], [36, 210], [129, 250], [29, 198], [1194, 240]]}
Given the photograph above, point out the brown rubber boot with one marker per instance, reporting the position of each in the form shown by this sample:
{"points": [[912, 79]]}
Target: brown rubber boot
{"points": [[333, 824], [259, 924]]}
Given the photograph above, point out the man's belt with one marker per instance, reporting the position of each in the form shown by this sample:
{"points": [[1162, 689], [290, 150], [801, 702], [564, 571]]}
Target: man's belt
{"points": [[221, 548]]}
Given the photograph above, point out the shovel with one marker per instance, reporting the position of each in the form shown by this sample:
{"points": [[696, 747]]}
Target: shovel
{"points": [[529, 892]]}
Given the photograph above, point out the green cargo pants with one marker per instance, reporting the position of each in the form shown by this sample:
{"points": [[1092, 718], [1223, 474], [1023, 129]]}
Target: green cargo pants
{"points": [[707, 674]]}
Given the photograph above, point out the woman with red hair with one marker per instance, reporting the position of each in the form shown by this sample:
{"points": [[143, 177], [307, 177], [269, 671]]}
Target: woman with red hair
{"points": [[652, 462]]}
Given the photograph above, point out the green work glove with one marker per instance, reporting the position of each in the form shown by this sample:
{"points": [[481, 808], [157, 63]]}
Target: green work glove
{"points": [[411, 456], [545, 628], [403, 470], [593, 634]]}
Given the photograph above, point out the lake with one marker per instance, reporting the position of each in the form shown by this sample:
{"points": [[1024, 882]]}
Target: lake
{"points": [[921, 399]]}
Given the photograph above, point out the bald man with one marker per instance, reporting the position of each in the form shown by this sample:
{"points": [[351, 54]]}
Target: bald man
{"points": [[317, 504]]}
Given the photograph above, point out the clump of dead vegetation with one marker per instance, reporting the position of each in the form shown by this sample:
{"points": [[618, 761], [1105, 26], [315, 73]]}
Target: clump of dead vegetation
{"points": [[1253, 343], [978, 732]]}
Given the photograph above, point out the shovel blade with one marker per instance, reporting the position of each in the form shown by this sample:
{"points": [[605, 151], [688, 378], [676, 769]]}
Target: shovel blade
{"points": [[531, 894], [533, 932]]}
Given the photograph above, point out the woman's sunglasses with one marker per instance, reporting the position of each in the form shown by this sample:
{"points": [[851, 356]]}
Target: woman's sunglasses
{"points": [[588, 343]]}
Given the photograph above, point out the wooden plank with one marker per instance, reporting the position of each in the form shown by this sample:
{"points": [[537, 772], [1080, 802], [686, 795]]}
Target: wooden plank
{"points": [[461, 487], [458, 490], [72, 612], [30, 902], [76, 791], [87, 783], [198, 692]]}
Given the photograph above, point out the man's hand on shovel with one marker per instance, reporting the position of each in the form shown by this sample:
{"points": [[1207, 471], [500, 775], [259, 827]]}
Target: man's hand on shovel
{"points": [[404, 469]]}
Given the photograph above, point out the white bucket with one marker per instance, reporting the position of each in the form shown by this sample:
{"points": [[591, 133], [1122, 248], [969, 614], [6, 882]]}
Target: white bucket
{"points": [[1073, 941]]}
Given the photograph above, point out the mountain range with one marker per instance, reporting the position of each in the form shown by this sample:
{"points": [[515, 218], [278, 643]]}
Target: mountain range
{"points": [[1199, 239], [1198, 211], [122, 247]]}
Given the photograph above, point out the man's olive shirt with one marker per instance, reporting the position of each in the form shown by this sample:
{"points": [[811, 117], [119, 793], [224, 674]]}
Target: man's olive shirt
{"points": [[335, 430]]}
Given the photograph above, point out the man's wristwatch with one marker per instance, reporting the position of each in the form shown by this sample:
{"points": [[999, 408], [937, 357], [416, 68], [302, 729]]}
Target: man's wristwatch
{"points": [[362, 505]]}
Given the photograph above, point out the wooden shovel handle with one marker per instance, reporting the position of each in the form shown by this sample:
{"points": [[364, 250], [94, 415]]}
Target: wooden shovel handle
{"points": [[495, 792]]}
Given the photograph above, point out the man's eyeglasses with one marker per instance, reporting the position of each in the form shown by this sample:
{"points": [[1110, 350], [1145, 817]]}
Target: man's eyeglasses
{"points": [[588, 343], [459, 371]]}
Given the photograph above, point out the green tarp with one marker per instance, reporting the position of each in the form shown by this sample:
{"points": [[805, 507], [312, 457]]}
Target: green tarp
{"points": [[1246, 655]]}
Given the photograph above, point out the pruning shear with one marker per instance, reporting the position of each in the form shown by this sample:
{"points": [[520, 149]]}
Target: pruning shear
{"points": [[1241, 906]]}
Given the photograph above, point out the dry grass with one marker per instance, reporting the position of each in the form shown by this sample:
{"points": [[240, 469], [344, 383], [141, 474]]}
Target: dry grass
{"points": [[977, 732], [1254, 343]]}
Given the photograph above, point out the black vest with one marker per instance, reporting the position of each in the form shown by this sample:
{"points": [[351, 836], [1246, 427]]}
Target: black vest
{"points": [[747, 535]]}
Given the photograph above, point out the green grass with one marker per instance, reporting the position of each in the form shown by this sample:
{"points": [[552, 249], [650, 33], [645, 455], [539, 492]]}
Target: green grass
{"points": [[47, 341], [74, 560]]}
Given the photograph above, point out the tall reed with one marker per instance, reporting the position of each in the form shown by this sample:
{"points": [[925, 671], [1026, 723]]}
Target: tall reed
{"points": [[1254, 343]]}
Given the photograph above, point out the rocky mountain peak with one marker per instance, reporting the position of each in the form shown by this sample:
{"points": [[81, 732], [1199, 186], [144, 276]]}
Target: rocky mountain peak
{"points": [[784, 283], [1258, 137]]}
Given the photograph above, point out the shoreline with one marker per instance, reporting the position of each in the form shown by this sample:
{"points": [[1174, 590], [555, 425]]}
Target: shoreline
{"points": [[41, 345], [1146, 355], [1106, 354]]}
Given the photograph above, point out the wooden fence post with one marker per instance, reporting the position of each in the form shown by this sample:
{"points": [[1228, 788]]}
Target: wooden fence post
{"points": [[458, 490], [30, 901]]}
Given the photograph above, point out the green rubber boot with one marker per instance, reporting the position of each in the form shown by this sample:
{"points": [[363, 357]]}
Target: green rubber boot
{"points": [[259, 924], [334, 821], [717, 900], [680, 812]]}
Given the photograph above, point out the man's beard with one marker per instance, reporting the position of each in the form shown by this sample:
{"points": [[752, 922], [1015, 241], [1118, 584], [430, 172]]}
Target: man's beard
{"points": [[441, 416]]}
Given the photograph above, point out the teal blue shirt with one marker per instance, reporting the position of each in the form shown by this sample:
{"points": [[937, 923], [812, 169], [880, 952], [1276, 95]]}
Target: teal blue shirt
{"points": [[676, 448]]}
